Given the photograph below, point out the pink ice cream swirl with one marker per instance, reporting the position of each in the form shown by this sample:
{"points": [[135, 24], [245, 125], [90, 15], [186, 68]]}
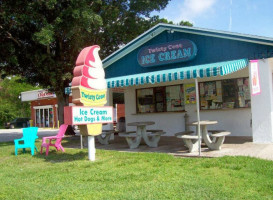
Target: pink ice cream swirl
{"points": [[89, 72]]}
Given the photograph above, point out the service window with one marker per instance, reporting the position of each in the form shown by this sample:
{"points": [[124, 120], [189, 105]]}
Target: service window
{"points": [[210, 95], [175, 98], [230, 93], [145, 101], [160, 99], [225, 94], [243, 93]]}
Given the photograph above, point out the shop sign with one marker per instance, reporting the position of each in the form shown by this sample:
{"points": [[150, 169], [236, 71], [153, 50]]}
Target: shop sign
{"points": [[89, 91], [167, 53], [255, 78], [93, 97], [45, 94], [83, 115]]}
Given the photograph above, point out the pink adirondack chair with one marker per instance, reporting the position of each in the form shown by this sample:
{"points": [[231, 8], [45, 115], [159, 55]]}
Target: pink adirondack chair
{"points": [[58, 139]]}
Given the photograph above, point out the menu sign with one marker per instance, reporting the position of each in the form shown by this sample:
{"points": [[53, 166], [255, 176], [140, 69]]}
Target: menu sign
{"points": [[166, 53], [82, 115]]}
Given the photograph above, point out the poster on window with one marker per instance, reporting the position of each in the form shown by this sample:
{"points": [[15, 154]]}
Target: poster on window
{"points": [[190, 93], [255, 78]]}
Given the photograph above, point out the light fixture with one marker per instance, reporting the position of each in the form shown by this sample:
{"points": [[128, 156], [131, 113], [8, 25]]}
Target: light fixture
{"points": [[171, 31]]}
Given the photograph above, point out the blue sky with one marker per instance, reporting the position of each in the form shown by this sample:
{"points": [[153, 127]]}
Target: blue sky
{"points": [[253, 17]]}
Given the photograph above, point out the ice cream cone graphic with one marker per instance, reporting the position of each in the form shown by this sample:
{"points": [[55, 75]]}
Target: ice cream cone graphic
{"points": [[88, 85]]}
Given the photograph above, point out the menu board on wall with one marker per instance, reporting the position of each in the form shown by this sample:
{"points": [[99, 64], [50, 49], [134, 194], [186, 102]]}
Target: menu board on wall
{"points": [[190, 93]]}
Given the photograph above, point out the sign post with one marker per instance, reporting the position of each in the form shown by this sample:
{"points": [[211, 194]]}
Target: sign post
{"points": [[91, 148]]}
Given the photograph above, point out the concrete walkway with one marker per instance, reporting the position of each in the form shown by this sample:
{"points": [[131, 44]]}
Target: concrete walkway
{"points": [[233, 146]]}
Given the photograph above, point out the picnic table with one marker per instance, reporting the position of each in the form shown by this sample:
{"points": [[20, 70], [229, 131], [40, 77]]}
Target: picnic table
{"points": [[218, 136], [133, 138], [103, 138]]}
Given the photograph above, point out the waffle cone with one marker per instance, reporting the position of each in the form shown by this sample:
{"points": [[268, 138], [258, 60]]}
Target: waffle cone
{"points": [[90, 129]]}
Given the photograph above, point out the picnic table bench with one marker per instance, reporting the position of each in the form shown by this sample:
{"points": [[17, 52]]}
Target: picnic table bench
{"points": [[190, 141], [214, 140], [218, 138], [133, 138], [104, 137]]}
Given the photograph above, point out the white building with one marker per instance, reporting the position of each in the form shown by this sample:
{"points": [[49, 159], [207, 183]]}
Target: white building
{"points": [[156, 73]]}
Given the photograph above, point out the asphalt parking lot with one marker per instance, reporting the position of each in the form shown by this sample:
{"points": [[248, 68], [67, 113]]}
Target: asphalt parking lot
{"points": [[7, 135]]}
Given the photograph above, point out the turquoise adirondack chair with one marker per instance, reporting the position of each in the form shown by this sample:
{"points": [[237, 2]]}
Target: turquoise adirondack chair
{"points": [[28, 139], [58, 139]]}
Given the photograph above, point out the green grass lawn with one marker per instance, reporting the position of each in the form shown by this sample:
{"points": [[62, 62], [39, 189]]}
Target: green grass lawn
{"points": [[120, 175]]}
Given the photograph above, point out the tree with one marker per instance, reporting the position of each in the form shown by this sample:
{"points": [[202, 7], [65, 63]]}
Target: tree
{"points": [[10, 102], [185, 23], [40, 40]]}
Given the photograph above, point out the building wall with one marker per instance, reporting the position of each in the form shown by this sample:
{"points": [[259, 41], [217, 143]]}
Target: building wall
{"points": [[46, 102], [209, 50], [237, 121], [262, 109]]}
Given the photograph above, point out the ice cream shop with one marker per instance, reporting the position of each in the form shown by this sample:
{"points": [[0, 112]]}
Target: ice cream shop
{"points": [[159, 69], [165, 73]]}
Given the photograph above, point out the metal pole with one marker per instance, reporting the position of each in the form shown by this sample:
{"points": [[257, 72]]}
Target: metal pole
{"points": [[186, 117], [198, 115], [91, 148], [81, 141]]}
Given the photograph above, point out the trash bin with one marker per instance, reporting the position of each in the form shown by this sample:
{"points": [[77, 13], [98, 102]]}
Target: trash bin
{"points": [[121, 124]]}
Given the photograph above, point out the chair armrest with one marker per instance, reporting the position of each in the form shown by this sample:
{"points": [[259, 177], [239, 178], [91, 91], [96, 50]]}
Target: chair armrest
{"points": [[18, 140], [50, 138]]}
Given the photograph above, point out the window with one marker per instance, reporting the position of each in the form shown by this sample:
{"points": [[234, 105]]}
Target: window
{"points": [[226, 94], [160, 99], [175, 98], [145, 100], [243, 93]]}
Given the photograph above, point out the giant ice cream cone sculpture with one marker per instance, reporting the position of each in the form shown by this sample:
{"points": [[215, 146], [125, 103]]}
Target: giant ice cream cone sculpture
{"points": [[89, 85]]}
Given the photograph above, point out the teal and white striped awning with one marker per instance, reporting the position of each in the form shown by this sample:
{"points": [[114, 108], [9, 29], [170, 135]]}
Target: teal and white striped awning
{"points": [[199, 71]]}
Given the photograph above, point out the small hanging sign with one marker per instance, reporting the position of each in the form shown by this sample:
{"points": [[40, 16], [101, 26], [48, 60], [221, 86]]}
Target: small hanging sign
{"points": [[255, 78]]}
